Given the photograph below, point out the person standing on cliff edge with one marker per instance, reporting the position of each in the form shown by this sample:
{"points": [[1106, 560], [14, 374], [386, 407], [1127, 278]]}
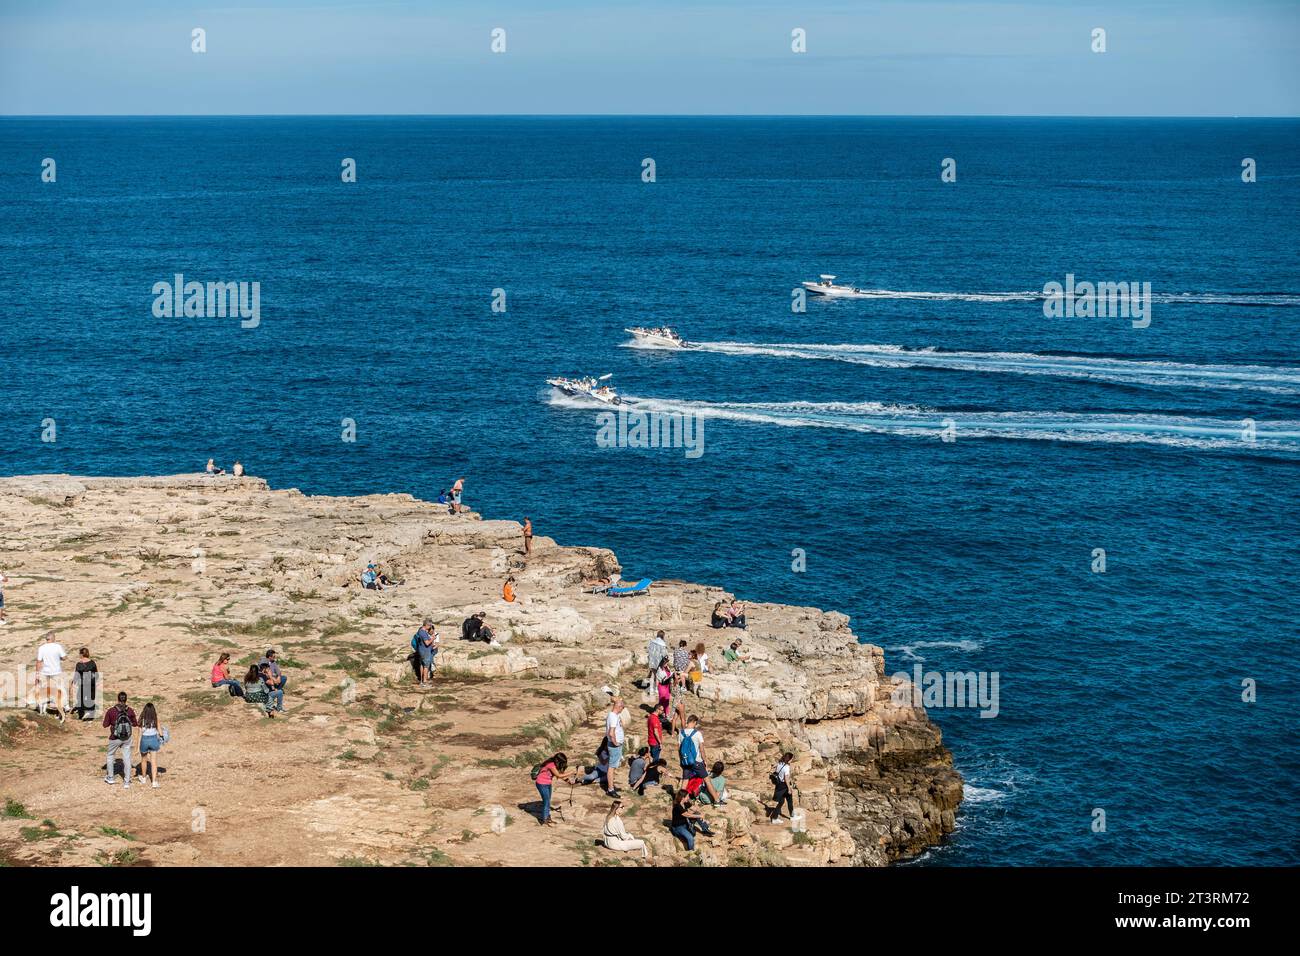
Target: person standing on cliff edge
{"points": [[528, 536]]}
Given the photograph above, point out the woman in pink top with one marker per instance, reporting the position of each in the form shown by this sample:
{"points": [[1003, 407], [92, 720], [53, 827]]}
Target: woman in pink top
{"points": [[221, 676], [551, 767]]}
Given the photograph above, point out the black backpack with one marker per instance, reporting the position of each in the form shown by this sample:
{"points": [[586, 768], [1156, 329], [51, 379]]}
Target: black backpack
{"points": [[122, 725]]}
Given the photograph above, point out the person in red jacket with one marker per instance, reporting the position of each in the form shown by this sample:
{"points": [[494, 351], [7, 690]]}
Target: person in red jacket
{"points": [[121, 723]]}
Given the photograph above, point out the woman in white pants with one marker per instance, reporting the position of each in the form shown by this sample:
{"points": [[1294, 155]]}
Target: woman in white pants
{"points": [[616, 835]]}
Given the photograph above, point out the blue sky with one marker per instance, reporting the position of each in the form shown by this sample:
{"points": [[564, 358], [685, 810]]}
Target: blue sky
{"points": [[1164, 57]]}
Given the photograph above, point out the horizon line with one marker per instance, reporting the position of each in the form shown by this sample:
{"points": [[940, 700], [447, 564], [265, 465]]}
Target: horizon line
{"points": [[1114, 116]]}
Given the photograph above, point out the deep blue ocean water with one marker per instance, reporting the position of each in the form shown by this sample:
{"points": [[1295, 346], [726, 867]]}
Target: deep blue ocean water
{"points": [[1118, 690]]}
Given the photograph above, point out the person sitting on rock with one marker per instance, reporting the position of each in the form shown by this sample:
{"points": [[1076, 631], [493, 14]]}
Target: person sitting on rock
{"points": [[686, 819], [274, 680], [214, 469], [508, 590], [237, 469], [221, 675], [600, 772], [255, 691], [717, 784], [370, 579], [616, 835], [719, 616], [736, 615], [475, 628]]}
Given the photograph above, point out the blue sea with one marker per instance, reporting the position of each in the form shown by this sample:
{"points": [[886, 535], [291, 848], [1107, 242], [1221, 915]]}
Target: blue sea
{"points": [[1175, 448]]}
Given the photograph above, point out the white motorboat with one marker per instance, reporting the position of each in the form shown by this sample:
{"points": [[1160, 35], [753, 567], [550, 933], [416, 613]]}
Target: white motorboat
{"points": [[661, 337], [587, 388], [825, 285]]}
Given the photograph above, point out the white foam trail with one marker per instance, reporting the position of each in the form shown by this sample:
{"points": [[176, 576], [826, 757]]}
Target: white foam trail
{"points": [[914, 422], [1033, 295], [1261, 378]]}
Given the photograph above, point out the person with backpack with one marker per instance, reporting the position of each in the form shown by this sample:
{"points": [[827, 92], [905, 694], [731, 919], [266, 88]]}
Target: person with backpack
{"points": [[690, 750], [780, 778], [425, 644], [152, 737], [544, 775], [121, 724]]}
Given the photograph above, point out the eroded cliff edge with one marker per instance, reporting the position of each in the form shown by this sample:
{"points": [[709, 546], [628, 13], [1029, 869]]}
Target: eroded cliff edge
{"points": [[160, 574]]}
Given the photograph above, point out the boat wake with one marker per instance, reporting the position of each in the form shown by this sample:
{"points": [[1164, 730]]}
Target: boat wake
{"points": [[1260, 378], [1264, 437], [1248, 299]]}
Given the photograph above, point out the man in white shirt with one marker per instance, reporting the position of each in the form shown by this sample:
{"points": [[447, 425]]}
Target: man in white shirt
{"points": [[615, 735], [49, 660]]}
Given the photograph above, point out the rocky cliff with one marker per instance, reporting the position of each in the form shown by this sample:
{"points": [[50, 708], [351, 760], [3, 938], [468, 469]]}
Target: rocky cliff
{"points": [[158, 575]]}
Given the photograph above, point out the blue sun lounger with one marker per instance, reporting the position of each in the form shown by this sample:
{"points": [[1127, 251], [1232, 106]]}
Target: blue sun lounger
{"points": [[641, 587]]}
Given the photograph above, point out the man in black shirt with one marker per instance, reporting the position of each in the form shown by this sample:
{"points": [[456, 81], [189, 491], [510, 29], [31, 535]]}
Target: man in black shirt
{"points": [[474, 628]]}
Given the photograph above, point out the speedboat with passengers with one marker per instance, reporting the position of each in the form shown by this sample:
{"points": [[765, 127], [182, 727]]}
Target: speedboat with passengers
{"points": [[587, 388], [660, 337]]}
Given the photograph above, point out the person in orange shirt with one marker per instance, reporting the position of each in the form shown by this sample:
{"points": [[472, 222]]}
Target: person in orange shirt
{"points": [[508, 592]]}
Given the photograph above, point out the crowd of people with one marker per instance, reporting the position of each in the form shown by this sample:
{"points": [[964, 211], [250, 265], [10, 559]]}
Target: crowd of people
{"points": [[50, 694], [673, 675], [263, 684]]}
